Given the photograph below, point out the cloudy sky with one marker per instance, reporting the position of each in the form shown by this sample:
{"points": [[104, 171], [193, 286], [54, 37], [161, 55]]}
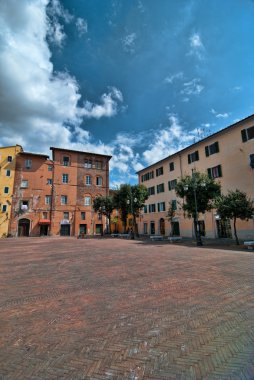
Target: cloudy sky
{"points": [[136, 79]]}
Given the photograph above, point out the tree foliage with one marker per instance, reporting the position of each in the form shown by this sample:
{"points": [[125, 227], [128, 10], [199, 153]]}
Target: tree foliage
{"points": [[104, 205], [206, 190], [234, 205]]}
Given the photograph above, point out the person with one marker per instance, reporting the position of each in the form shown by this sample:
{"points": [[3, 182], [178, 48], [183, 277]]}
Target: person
{"points": [[131, 234]]}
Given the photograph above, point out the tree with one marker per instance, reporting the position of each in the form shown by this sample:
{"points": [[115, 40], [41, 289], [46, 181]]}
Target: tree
{"points": [[198, 192], [171, 214], [235, 205], [130, 200], [105, 206]]}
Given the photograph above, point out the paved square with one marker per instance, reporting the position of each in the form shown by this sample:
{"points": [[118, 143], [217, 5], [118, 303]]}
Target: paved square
{"points": [[122, 309]]}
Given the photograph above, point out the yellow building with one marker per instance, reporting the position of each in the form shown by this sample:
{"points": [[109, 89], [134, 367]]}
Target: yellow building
{"points": [[227, 156], [7, 174]]}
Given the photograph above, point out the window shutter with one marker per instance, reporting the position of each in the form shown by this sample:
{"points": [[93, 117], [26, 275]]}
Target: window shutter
{"points": [[169, 185], [217, 147], [206, 151], [244, 135], [252, 161], [196, 155], [209, 172], [219, 171], [189, 158]]}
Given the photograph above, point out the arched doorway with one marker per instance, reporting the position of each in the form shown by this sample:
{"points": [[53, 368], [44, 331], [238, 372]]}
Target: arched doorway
{"points": [[24, 227], [162, 226]]}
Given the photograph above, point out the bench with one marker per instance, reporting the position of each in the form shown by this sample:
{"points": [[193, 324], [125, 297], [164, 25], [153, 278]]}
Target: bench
{"points": [[250, 244], [124, 235], [156, 237], [174, 238], [114, 235]]}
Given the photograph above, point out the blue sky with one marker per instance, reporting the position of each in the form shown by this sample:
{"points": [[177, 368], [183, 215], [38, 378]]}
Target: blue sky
{"points": [[136, 79]]}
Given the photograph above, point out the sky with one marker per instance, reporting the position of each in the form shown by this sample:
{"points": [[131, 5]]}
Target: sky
{"points": [[135, 79]]}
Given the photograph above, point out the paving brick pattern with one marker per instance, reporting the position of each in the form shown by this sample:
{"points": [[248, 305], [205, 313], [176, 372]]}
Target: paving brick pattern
{"points": [[121, 309]]}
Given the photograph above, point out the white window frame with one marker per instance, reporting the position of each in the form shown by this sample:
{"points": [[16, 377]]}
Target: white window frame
{"points": [[87, 200], [99, 181], [65, 178], [88, 180], [64, 199], [24, 184], [28, 164], [47, 199]]}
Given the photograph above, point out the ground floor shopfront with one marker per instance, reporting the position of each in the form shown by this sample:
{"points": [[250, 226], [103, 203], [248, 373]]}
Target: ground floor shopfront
{"points": [[209, 225]]}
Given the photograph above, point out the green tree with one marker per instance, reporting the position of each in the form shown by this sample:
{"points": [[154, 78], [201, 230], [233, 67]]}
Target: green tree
{"points": [[198, 192], [130, 200], [105, 206], [234, 205]]}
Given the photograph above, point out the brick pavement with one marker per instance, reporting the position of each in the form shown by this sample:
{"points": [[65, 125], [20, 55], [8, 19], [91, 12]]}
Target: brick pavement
{"points": [[122, 309]]}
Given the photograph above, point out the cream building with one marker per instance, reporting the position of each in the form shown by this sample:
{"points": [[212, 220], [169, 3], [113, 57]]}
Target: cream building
{"points": [[227, 156], [7, 175]]}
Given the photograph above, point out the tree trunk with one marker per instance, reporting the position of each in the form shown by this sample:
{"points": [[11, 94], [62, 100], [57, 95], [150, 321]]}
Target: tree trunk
{"points": [[109, 222], [236, 237]]}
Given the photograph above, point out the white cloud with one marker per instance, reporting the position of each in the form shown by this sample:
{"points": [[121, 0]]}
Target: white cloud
{"points": [[129, 42], [172, 78], [193, 87], [219, 115], [169, 140], [196, 46], [82, 26], [38, 106]]}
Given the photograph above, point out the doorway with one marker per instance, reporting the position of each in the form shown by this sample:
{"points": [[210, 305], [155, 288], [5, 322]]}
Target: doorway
{"points": [[44, 230], [223, 228], [24, 227], [65, 230], [162, 226], [152, 228], [98, 229], [175, 228]]}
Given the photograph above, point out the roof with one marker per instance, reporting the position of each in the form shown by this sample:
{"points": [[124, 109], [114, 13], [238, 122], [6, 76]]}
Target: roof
{"points": [[248, 118], [11, 146], [34, 154], [79, 151]]}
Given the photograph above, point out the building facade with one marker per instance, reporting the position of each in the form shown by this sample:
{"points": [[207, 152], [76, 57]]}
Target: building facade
{"points": [[227, 156], [55, 197], [7, 174]]}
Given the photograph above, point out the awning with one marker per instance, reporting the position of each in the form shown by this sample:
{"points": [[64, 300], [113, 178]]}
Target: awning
{"points": [[44, 221], [65, 221]]}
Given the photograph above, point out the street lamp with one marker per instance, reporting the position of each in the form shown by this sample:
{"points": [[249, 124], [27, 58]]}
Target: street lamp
{"points": [[195, 186], [130, 202]]}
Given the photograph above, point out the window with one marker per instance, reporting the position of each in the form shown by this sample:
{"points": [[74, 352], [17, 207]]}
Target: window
{"points": [[145, 228], [47, 199], [147, 176], [88, 164], [98, 164], [44, 215], [151, 207], [49, 181], [159, 171], [50, 168], [151, 190], [64, 199], [83, 215], [24, 184], [192, 157], [66, 215], [98, 181], [174, 204], [161, 206], [88, 180], [214, 172], [211, 149], [87, 201], [172, 184], [6, 190], [145, 209], [160, 188], [28, 164], [4, 208], [171, 166], [252, 161], [9, 158], [8, 173], [65, 178], [66, 161], [247, 134]]}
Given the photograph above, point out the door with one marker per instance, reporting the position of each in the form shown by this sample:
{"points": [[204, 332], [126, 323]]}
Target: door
{"points": [[175, 229], [162, 226], [223, 228], [152, 228], [44, 230], [98, 228], [24, 227], [65, 230], [82, 229]]}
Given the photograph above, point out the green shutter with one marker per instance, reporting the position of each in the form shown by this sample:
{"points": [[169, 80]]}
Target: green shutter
{"points": [[219, 171], [196, 155], [217, 147], [209, 172], [207, 151], [244, 135], [189, 159], [169, 185]]}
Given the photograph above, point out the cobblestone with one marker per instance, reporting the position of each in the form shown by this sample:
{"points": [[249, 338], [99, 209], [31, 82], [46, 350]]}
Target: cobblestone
{"points": [[95, 309]]}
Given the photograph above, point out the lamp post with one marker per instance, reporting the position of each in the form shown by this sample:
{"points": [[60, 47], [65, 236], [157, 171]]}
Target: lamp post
{"points": [[196, 224], [130, 202]]}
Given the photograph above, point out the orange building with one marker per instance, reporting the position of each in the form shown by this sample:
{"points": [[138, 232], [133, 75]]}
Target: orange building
{"points": [[54, 197], [227, 156]]}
